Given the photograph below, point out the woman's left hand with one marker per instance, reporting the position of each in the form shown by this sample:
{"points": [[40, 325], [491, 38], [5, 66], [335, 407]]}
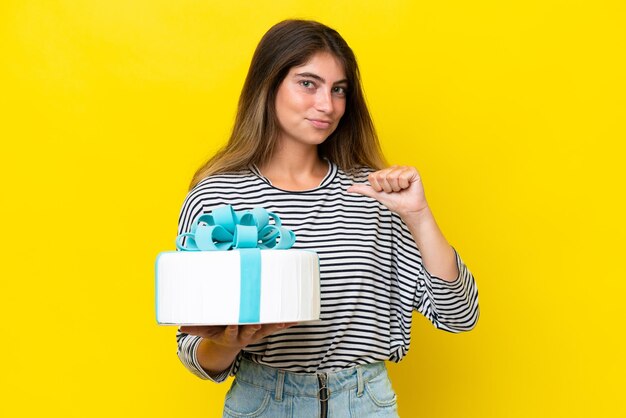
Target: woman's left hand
{"points": [[399, 188]]}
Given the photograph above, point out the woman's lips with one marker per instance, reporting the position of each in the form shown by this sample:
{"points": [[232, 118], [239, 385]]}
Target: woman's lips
{"points": [[320, 124]]}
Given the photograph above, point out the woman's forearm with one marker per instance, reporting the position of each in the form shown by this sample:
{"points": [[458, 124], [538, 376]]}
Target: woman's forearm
{"points": [[437, 255], [215, 358]]}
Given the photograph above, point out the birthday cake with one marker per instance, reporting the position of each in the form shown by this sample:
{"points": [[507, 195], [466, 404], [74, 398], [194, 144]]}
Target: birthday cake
{"points": [[237, 268]]}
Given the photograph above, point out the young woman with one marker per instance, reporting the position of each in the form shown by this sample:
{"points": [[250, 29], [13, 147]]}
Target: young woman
{"points": [[304, 146]]}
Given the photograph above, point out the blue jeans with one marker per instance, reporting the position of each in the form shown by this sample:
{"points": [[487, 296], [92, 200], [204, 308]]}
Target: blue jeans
{"points": [[357, 392]]}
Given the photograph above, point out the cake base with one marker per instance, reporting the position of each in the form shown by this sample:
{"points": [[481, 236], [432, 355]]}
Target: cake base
{"points": [[204, 287]]}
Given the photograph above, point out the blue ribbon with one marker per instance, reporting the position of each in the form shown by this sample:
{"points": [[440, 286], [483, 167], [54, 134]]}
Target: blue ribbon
{"points": [[248, 231]]}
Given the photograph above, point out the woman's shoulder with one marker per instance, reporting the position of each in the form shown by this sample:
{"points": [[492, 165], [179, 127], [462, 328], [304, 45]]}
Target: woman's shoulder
{"points": [[232, 180], [227, 176]]}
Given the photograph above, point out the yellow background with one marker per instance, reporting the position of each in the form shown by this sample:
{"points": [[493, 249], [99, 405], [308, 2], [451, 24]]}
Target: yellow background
{"points": [[512, 110]]}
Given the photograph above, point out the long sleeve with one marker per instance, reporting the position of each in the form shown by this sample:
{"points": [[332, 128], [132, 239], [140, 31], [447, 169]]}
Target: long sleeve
{"points": [[187, 347], [451, 306]]}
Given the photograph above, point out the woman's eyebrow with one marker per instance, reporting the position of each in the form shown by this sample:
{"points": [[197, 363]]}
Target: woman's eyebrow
{"points": [[320, 79]]}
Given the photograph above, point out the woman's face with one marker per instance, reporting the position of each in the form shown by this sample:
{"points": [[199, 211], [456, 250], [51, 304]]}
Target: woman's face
{"points": [[311, 100]]}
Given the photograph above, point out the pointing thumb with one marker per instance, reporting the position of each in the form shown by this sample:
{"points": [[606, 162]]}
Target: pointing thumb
{"points": [[364, 189]]}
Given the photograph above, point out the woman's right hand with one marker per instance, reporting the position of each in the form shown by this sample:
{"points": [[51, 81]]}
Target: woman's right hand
{"points": [[235, 336]]}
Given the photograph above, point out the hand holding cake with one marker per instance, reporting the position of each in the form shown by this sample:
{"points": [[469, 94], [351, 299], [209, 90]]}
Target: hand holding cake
{"points": [[221, 344], [235, 336]]}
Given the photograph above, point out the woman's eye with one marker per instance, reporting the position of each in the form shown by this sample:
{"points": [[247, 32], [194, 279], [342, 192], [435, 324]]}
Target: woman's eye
{"points": [[306, 83], [339, 90]]}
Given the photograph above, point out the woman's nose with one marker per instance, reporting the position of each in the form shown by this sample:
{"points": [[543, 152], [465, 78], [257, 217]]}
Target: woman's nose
{"points": [[324, 101]]}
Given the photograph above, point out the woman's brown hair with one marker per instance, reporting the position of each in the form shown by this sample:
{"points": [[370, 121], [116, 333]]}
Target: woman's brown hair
{"points": [[288, 44]]}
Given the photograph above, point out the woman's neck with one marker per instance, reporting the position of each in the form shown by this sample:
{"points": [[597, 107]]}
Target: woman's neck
{"points": [[295, 169]]}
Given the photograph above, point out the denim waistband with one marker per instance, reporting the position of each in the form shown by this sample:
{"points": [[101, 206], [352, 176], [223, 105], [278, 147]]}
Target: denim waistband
{"points": [[306, 384]]}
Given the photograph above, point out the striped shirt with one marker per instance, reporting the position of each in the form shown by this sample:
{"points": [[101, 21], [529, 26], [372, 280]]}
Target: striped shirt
{"points": [[371, 275]]}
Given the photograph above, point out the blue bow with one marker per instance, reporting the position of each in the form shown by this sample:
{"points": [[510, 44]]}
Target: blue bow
{"points": [[224, 229]]}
